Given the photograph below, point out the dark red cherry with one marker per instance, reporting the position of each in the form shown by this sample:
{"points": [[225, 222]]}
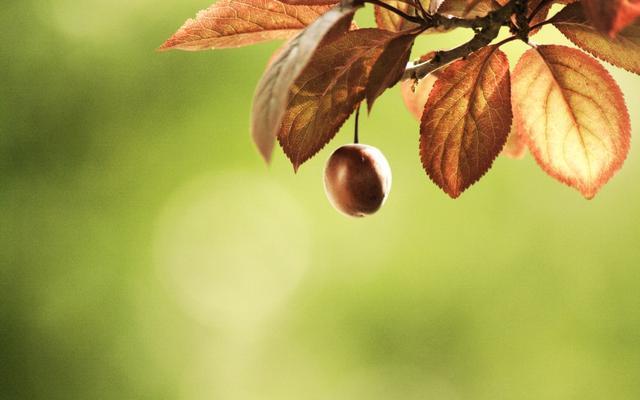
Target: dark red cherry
{"points": [[357, 179]]}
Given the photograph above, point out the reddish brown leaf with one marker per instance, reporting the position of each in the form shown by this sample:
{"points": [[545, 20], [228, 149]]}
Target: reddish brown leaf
{"points": [[235, 23], [415, 98], [622, 51], [328, 90], [389, 67], [573, 115], [611, 16], [466, 120], [391, 21], [272, 93]]}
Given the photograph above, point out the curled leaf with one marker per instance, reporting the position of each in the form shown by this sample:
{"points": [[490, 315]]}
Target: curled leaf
{"points": [[272, 93], [622, 51], [573, 115], [466, 120], [235, 23]]}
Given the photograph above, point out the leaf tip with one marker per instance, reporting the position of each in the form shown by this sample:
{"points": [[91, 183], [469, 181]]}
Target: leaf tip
{"points": [[589, 193], [265, 147], [454, 194], [266, 157], [370, 101], [168, 44], [163, 48]]}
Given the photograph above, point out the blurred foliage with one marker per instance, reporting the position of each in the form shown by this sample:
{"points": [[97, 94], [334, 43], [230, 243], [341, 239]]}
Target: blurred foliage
{"points": [[147, 253]]}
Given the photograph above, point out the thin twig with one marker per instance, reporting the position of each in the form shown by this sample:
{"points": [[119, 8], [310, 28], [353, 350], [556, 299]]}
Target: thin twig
{"points": [[448, 22], [538, 8], [507, 40], [417, 4], [394, 10]]}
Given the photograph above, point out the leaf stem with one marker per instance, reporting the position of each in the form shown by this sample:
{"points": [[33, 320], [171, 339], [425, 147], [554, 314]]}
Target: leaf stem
{"points": [[507, 40], [541, 24]]}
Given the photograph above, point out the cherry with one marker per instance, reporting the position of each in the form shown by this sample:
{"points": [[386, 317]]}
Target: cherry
{"points": [[357, 179]]}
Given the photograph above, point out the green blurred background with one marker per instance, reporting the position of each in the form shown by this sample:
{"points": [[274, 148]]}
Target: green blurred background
{"points": [[146, 251]]}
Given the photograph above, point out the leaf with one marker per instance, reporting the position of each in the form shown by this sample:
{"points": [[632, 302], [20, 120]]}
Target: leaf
{"points": [[466, 120], [389, 67], [235, 23], [391, 21], [611, 16], [415, 99], [573, 115], [328, 90], [272, 93], [622, 51]]}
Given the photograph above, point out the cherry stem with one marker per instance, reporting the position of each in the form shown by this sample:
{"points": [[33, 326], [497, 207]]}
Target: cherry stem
{"points": [[355, 133]]}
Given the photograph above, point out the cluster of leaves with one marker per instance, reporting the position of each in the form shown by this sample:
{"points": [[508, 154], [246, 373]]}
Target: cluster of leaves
{"points": [[558, 102]]}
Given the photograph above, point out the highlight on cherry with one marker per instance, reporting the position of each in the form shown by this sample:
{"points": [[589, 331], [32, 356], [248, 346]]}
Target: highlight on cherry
{"points": [[559, 102]]}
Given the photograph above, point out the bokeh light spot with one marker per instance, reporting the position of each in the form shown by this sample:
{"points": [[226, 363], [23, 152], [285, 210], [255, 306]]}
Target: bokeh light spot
{"points": [[232, 248]]}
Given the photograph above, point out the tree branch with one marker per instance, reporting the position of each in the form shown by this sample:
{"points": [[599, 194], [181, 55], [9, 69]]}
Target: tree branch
{"points": [[442, 58], [489, 28]]}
